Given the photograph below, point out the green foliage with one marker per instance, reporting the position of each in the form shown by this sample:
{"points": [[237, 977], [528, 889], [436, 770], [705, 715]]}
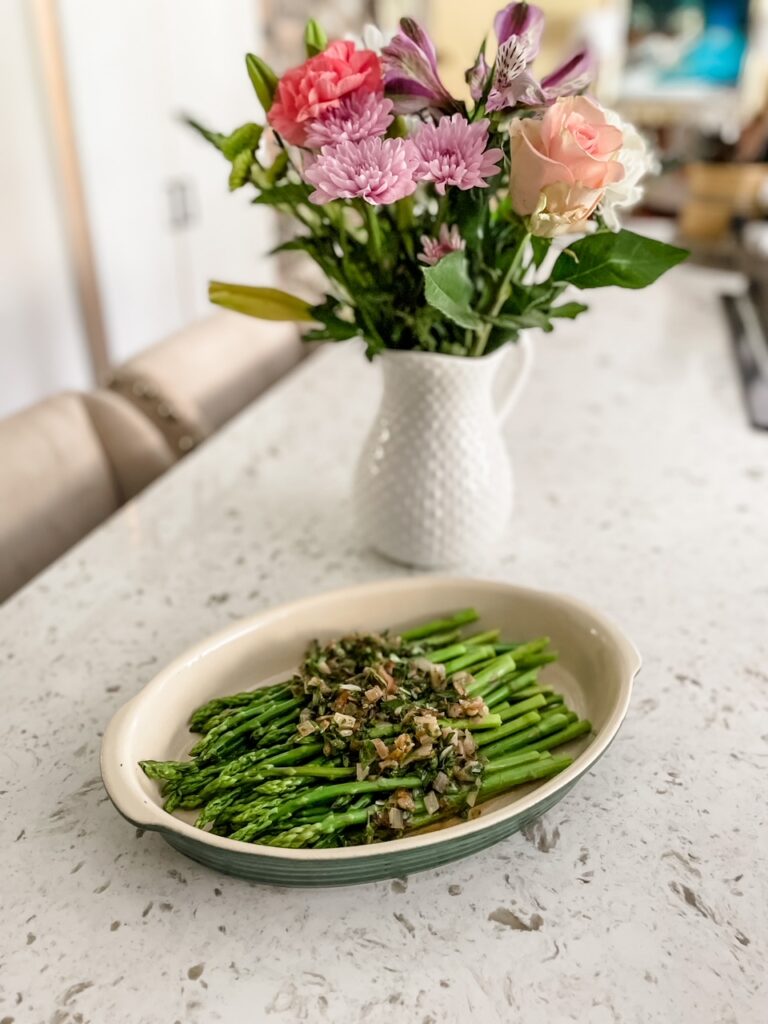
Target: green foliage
{"points": [[290, 194], [315, 39], [239, 147], [624, 259], [334, 327], [243, 139], [262, 303], [263, 79], [541, 247], [568, 310], [265, 178], [449, 289], [472, 301]]}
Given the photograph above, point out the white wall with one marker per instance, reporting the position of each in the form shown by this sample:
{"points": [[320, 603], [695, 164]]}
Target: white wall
{"points": [[42, 347], [133, 69]]}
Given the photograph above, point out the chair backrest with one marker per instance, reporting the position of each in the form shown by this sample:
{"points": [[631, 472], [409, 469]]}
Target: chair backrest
{"points": [[65, 465], [195, 380]]}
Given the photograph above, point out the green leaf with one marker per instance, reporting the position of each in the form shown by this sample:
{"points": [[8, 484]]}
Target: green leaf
{"points": [[334, 327], [278, 168], [265, 178], [263, 79], [568, 310], [301, 244], [540, 249], [241, 170], [244, 138], [284, 195], [468, 211], [315, 39], [239, 147], [623, 259], [519, 322], [263, 303], [448, 288]]}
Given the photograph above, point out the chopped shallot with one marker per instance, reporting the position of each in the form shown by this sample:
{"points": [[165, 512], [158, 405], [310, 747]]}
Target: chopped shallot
{"points": [[431, 802], [440, 783], [396, 819], [381, 747]]}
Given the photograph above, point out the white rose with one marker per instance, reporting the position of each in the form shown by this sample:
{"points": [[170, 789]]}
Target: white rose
{"points": [[638, 159]]}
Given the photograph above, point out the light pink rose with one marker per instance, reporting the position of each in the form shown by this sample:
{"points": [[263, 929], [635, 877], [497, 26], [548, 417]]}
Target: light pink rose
{"points": [[305, 93], [561, 165]]}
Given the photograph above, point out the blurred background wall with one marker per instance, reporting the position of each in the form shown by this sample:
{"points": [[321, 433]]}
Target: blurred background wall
{"points": [[113, 215], [121, 257]]}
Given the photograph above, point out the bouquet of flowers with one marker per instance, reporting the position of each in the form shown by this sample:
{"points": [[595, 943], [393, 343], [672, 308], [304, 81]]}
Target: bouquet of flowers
{"points": [[432, 216]]}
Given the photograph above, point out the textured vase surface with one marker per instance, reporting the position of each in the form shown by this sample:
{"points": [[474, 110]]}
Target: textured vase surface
{"points": [[433, 486]]}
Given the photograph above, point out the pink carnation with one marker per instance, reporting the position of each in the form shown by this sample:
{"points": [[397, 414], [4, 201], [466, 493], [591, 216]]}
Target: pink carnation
{"points": [[307, 92], [380, 171], [359, 115], [433, 249], [453, 152]]}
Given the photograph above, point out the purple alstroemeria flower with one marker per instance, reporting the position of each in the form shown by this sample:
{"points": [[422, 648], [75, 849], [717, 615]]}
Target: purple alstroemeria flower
{"points": [[572, 77], [411, 78], [523, 21], [513, 83], [518, 28], [477, 77]]}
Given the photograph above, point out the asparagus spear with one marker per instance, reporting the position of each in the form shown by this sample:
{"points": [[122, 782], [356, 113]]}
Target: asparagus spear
{"points": [[441, 625], [253, 773]]}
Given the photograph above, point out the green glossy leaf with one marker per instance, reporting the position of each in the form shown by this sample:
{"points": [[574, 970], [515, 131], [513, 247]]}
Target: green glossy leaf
{"points": [[241, 170], [278, 168], [448, 288], [519, 322], [244, 138], [284, 195], [263, 79], [239, 147], [315, 39], [300, 244], [568, 310], [540, 248], [334, 327], [623, 259], [262, 303]]}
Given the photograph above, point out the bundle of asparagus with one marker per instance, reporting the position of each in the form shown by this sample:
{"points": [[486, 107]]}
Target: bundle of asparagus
{"points": [[374, 737]]}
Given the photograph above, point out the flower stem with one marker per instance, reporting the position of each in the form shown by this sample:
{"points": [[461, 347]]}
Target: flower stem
{"points": [[502, 295], [374, 230], [442, 212]]}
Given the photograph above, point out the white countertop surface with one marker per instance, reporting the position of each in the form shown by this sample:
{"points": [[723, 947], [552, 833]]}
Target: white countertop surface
{"points": [[640, 899]]}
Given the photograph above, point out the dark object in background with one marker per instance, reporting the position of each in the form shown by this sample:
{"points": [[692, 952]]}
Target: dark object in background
{"points": [[748, 317]]}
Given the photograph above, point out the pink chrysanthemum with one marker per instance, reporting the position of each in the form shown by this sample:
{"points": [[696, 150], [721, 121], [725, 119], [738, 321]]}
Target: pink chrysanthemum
{"points": [[433, 249], [359, 115], [380, 171], [452, 152]]}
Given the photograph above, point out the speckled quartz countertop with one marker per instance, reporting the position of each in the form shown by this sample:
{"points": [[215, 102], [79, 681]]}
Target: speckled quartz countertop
{"points": [[640, 899]]}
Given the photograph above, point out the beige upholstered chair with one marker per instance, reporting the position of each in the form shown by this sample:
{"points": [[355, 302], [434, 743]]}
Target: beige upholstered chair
{"points": [[198, 378], [65, 465]]}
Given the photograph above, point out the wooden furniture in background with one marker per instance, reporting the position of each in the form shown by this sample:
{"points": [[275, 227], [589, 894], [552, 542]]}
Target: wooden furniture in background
{"points": [[720, 192]]}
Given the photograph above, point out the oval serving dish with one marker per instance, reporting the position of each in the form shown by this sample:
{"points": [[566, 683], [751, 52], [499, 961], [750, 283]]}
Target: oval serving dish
{"points": [[595, 670]]}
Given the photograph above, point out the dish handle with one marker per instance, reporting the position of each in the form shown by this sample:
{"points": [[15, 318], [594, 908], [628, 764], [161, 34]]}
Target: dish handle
{"points": [[123, 788]]}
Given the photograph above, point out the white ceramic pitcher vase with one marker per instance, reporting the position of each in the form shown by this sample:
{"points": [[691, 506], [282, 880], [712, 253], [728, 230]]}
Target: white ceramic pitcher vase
{"points": [[433, 486]]}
